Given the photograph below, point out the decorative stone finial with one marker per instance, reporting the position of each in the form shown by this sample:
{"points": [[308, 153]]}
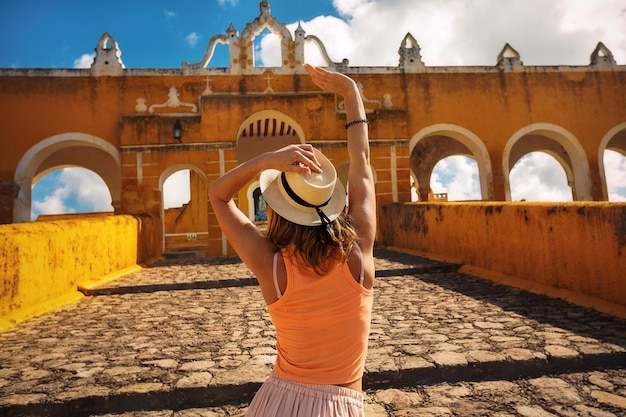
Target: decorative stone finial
{"points": [[299, 32], [108, 57], [602, 56], [265, 7], [409, 51], [232, 32], [509, 58]]}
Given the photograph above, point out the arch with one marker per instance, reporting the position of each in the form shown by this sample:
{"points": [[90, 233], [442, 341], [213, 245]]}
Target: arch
{"points": [[263, 131], [614, 139], [269, 22], [458, 141], [196, 211], [66, 149], [178, 167], [559, 143], [266, 130]]}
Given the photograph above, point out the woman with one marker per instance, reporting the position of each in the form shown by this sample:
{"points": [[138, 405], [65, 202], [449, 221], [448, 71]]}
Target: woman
{"points": [[315, 267]]}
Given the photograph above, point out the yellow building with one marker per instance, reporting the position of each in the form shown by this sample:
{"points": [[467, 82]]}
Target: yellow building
{"points": [[119, 123]]}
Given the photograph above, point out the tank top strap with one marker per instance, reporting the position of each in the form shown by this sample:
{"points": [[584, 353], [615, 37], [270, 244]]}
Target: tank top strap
{"points": [[362, 274], [274, 267]]}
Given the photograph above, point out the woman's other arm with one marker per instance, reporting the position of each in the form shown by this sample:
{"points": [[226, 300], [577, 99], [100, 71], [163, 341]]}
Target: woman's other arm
{"points": [[361, 192]]}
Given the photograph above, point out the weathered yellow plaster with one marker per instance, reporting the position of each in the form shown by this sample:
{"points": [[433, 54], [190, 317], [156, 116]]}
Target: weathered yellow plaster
{"points": [[575, 251], [42, 264]]}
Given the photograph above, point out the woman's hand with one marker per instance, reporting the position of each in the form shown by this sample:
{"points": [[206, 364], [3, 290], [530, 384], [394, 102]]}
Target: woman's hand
{"points": [[295, 158], [333, 82]]}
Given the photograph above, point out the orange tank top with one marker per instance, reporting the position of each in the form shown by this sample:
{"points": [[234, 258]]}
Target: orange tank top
{"points": [[322, 325]]}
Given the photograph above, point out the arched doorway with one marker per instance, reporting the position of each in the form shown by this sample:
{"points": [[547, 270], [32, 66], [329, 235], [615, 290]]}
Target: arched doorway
{"points": [[185, 209], [263, 131]]}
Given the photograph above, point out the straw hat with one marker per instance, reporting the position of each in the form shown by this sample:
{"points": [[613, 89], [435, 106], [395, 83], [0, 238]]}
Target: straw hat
{"points": [[313, 199]]}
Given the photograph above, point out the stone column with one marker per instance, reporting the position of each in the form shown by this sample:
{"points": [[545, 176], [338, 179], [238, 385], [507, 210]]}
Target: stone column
{"points": [[8, 193]]}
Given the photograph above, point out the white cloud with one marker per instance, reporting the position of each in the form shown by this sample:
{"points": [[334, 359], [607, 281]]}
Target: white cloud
{"points": [[84, 61], [169, 14], [267, 51], [537, 176], [51, 204], [459, 32], [74, 190], [90, 191], [176, 189], [331, 31], [458, 177], [328, 29], [192, 39], [227, 2]]}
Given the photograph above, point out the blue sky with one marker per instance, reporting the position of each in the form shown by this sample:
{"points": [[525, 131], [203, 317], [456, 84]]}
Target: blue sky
{"points": [[163, 33], [151, 34]]}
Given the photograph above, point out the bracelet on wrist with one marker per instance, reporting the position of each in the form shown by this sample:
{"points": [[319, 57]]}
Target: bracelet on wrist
{"points": [[354, 122]]}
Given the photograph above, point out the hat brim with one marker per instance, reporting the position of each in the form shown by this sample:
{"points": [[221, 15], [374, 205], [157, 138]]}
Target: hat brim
{"points": [[306, 216]]}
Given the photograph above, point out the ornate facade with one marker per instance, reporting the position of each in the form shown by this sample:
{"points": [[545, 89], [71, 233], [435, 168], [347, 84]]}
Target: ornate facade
{"points": [[118, 122]]}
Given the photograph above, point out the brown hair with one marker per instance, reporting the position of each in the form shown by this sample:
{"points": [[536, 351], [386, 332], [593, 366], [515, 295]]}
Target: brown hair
{"points": [[315, 247]]}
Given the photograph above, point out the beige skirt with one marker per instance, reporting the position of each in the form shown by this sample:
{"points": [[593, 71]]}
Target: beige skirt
{"points": [[279, 397]]}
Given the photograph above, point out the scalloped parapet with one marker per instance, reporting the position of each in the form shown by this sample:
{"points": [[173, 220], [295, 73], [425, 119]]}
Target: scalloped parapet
{"points": [[208, 53], [339, 66], [242, 47], [108, 59]]}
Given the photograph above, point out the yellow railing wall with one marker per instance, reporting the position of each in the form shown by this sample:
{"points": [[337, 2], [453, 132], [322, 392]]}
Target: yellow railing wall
{"points": [[43, 263], [575, 251]]}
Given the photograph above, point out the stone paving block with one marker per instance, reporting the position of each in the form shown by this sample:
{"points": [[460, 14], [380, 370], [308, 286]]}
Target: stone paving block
{"points": [[193, 337]]}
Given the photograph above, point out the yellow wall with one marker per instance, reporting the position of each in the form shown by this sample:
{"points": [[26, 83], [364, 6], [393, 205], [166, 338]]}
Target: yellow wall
{"points": [[43, 263], [490, 104], [575, 251]]}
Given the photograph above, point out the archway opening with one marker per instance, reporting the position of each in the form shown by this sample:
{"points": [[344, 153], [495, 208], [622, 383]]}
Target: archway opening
{"points": [[68, 191], [538, 176], [545, 152], [176, 190], [469, 155], [455, 178], [267, 52], [615, 173], [185, 211]]}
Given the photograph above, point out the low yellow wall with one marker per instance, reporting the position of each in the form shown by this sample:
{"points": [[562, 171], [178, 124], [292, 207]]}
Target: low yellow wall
{"points": [[575, 251], [43, 263]]}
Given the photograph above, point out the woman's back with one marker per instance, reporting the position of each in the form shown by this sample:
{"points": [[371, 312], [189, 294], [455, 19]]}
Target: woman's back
{"points": [[322, 324]]}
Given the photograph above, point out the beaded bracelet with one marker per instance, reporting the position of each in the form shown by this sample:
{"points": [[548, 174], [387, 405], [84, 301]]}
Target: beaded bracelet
{"points": [[354, 122]]}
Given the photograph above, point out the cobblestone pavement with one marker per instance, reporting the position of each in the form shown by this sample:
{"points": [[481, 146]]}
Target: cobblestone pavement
{"points": [[192, 337]]}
